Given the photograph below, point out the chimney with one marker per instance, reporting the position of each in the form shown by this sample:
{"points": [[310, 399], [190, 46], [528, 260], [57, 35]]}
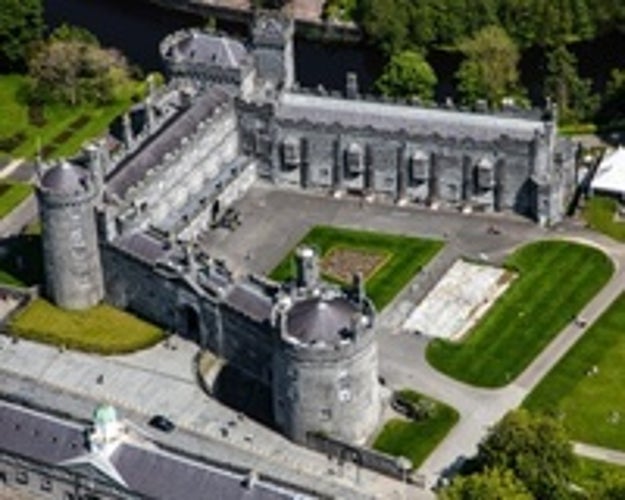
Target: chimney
{"points": [[128, 139], [307, 268], [351, 85]]}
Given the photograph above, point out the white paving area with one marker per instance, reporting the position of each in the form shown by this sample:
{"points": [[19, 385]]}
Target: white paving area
{"points": [[161, 380], [459, 300]]}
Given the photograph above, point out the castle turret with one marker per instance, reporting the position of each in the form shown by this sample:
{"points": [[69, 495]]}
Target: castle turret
{"points": [[67, 194], [272, 39], [325, 376]]}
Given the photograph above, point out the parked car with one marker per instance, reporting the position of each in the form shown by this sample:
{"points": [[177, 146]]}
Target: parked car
{"points": [[161, 423]]}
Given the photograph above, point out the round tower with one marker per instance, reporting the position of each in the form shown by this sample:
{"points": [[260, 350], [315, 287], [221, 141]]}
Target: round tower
{"points": [[325, 374], [67, 194]]}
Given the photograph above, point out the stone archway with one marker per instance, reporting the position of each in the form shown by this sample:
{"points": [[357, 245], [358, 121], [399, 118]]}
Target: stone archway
{"points": [[189, 323]]}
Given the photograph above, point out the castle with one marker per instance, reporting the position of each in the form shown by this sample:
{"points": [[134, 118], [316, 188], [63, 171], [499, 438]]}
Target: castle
{"points": [[120, 223]]}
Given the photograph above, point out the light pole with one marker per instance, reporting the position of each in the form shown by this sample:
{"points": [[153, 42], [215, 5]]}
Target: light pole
{"points": [[405, 465]]}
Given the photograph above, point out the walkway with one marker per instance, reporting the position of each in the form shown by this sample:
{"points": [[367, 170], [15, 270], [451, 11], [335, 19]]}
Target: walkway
{"points": [[481, 408]]}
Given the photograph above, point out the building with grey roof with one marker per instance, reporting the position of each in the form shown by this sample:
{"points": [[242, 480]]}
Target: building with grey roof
{"points": [[54, 458], [230, 114]]}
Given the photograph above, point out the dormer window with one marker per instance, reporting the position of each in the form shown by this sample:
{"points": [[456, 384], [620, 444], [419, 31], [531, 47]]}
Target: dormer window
{"points": [[419, 167], [291, 152], [354, 159], [484, 175]]}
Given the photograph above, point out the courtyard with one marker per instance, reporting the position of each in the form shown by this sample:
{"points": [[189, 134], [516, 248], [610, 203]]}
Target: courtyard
{"points": [[387, 261]]}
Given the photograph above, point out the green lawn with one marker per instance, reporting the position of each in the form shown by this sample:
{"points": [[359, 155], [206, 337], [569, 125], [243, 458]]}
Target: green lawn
{"points": [[21, 261], [599, 214], [592, 405], [14, 118], [406, 256], [102, 329], [556, 279], [11, 195], [593, 475], [415, 440]]}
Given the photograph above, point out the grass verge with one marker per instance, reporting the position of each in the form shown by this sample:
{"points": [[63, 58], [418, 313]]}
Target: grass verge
{"points": [[415, 439], [11, 195], [590, 400], [599, 214], [406, 256], [556, 279], [102, 329]]}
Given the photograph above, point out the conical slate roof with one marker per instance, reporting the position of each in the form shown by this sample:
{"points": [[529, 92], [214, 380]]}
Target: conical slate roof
{"points": [[65, 178], [318, 320]]}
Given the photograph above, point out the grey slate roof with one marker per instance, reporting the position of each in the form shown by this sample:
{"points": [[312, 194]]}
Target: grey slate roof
{"points": [[205, 48], [320, 320], [392, 117], [39, 437], [134, 167], [245, 298], [65, 178], [158, 474], [142, 245]]}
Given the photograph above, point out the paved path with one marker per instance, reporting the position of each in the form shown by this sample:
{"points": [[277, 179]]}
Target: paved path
{"points": [[599, 453], [161, 381], [481, 408]]}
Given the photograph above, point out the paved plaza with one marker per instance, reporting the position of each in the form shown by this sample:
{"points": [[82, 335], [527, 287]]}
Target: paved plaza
{"points": [[459, 300]]}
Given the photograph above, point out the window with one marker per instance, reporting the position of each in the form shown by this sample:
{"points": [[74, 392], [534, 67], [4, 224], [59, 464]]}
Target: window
{"points": [[22, 477], [291, 152], [419, 170], [46, 484], [484, 175], [354, 159]]}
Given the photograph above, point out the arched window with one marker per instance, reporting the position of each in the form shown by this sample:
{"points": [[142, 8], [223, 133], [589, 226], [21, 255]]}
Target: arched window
{"points": [[484, 175], [419, 166], [291, 152], [354, 160]]}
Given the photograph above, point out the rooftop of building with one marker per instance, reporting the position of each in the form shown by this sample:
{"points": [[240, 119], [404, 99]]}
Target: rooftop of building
{"points": [[388, 116], [146, 469], [318, 320], [201, 47], [65, 178]]}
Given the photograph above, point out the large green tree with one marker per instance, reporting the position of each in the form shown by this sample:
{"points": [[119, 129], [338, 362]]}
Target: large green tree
{"points": [[408, 74], [72, 68], [21, 25], [535, 448], [571, 92], [613, 101], [489, 69], [491, 484]]}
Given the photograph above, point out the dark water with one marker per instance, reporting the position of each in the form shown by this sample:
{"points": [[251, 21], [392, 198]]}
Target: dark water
{"points": [[136, 28]]}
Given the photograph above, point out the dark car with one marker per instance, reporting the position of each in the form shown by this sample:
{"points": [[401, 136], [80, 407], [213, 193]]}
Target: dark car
{"points": [[162, 423]]}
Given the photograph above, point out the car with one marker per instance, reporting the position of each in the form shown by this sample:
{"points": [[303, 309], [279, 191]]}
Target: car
{"points": [[161, 423]]}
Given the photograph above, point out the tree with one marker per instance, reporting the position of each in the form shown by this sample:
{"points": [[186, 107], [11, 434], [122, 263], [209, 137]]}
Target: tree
{"points": [[21, 25], [408, 74], [382, 23], [72, 68], [613, 102], [571, 92], [492, 484], [489, 70], [535, 448]]}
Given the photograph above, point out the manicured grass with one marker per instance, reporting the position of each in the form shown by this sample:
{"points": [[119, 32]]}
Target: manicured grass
{"points": [[14, 118], [415, 440], [592, 405], [556, 279], [592, 474], [406, 257], [599, 214], [11, 195], [102, 329], [21, 262]]}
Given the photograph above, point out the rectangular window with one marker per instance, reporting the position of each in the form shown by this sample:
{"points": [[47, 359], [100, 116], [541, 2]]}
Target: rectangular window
{"points": [[22, 477]]}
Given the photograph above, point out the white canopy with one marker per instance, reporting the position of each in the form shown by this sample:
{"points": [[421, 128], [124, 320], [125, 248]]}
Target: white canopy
{"points": [[610, 175]]}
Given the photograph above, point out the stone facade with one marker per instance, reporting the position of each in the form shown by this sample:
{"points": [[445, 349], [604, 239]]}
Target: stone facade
{"points": [[170, 168]]}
